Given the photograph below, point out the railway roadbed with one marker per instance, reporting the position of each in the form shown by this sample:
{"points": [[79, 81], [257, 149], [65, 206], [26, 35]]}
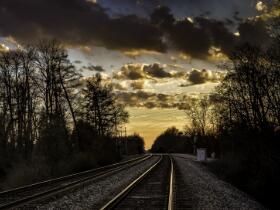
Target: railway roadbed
{"points": [[209, 192]]}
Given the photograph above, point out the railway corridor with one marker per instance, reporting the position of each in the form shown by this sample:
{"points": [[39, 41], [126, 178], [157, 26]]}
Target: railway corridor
{"points": [[148, 182], [151, 191]]}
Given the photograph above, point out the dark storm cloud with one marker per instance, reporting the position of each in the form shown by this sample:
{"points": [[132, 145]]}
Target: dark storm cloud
{"points": [[217, 9], [190, 39], [236, 17], [111, 24], [220, 35], [254, 32], [76, 22], [196, 37]]}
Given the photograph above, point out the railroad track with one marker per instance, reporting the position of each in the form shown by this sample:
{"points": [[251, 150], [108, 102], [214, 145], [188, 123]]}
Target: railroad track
{"points": [[153, 189], [19, 197], [182, 196]]}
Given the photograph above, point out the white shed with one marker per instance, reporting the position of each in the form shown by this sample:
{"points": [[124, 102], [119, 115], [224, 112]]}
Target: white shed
{"points": [[201, 154]]}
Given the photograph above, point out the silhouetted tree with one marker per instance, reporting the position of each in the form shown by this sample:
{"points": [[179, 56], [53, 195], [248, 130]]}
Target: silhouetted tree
{"points": [[172, 140], [101, 109], [247, 118], [57, 79], [87, 137], [54, 143], [251, 89], [197, 112], [133, 144], [39, 107], [18, 100]]}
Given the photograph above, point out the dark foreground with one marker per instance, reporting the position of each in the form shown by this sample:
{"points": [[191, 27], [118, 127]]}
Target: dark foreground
{"points": [[148, 182]]}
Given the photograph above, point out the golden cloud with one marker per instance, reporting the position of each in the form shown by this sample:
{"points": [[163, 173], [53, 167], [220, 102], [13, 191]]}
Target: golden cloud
{"points": [[4, 48], [260, 6], [136, 53], [138, 71]]}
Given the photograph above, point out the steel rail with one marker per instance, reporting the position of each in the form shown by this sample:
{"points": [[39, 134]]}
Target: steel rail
{"points": [[171, 185], [64, 178]]}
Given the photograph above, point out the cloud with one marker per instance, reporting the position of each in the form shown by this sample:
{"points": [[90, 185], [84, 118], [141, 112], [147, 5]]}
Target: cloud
{"points": [[155, 70], [137, 53], [77, 23], [236, 17], [152, 100], [118, 86], [86, 23], [78, 62], [138, 99], [4, 48], [95, 68], [138, 85], [138, 71], [219, 34], [198, 77], [254, 31], [163, 18], [202, 76], [260, 6], [92, 1], [196, 36], [130, 72], [190, 39], [214, 8]]}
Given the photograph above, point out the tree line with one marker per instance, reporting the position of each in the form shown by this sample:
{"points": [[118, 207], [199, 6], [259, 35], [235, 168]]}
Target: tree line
{"points": [[50, 114]]}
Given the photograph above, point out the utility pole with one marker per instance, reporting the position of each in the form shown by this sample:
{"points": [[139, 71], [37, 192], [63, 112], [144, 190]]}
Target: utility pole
{"points": [[125, 140]]}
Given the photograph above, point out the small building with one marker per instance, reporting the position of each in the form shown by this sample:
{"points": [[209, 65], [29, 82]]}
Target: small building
{"points": [[201, 154]]}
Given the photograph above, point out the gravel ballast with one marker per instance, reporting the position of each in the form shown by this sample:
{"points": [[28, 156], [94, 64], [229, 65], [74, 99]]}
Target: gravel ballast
{"points": [[96, 194], [210, 193]]}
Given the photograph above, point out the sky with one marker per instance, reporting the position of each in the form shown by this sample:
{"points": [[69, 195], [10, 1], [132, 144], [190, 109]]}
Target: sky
{"points": [[157, 53]]}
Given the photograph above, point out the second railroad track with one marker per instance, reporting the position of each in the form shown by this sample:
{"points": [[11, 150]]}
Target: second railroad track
{"points": [[27, 196]]}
